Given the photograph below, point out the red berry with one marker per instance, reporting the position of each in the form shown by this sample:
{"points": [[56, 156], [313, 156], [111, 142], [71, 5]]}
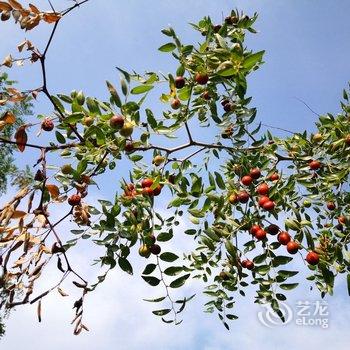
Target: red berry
{"points": [[274, 177], [233, 199], [47, 124], [157, 190], [249, 265], [246, 180], [129, 147], [260, 234], [74, 199], [243, 196], [283, 237], [152, 238], [254, 229], [147, 182], [117, 121], [273, 229], [342, 220], [255, 173], [147, 191], [330, 206], [206, 95], [180, 82], [176, 103], [201, 78], [171, 178], [216, 28], [228, 107], [224, 102], [269, 205], [312, 258], [155, 249], [293, 247], [263, 189], [130, 187], [263, 200], [39, 176], [244, 263], [314, 165]]}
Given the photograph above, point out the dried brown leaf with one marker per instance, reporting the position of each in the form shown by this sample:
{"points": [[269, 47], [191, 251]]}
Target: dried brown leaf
{"points": [[34, 9], [8, 117], [8, 61], [62, 292], [50, 17], [39, 310], [18, 214], [53, 190], [4, 6], [21, 137], [15, 4]]}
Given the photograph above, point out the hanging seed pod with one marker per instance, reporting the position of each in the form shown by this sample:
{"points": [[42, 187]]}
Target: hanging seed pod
{"points": [[16, 15], [5, 15]]}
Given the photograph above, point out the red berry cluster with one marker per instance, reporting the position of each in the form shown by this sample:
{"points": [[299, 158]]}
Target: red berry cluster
{"points": [[262, 190]]}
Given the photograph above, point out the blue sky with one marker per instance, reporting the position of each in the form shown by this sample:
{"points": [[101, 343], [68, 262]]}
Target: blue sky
{"points": [[307, 57]]}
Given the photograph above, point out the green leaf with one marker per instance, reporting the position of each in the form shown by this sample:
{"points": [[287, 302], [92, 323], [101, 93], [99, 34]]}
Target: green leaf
{"points": [[348, 281], [74, 117], [153, 281], [196, 213], [173, 270], [164, 236], [287, 274], [150, 119], [141, 89], [281, 260], [149, 269], [167, 321], [167, 47], [185, 93], [60, 138], [136, 157], [82, 165], [231, 249], [251, 60], [263, 269], [125, 74], [114, 95], [179, 282], [157, 300], [125, 265], [219, 181], [289, 286], [292, 224], [168, 256], [161, 312], [281, 296], [92, 105]]}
